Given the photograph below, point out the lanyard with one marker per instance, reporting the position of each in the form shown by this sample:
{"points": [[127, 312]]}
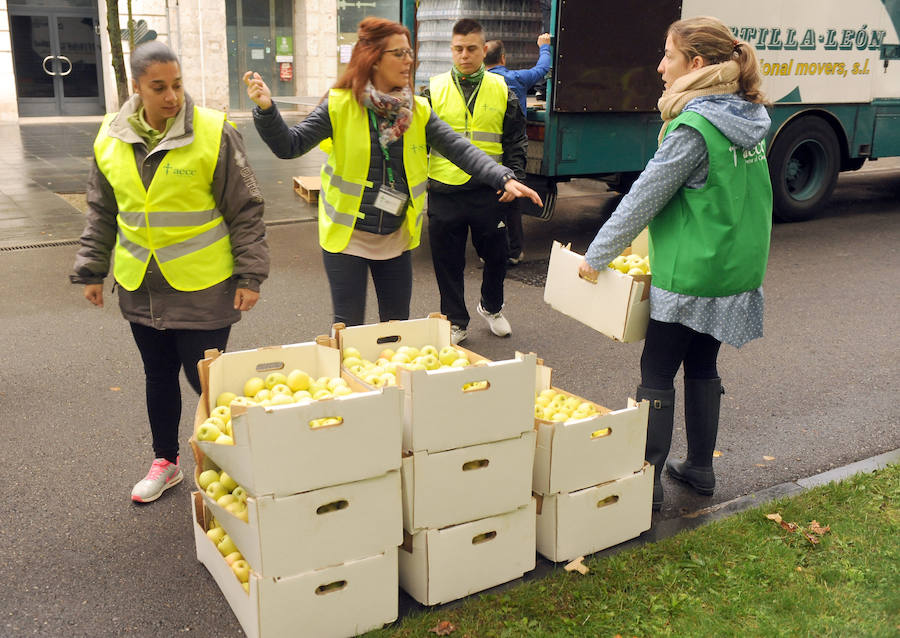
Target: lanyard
{"points": [[463, 96], [384, 151]]}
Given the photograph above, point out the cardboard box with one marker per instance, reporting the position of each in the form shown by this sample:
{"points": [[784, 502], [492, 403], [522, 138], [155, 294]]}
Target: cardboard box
{"points": [[293, 534], [340, 601], [440, 565], [438, 414], [576, 454], [577, 523], [446, 488], [278, 450], [617, 305]]}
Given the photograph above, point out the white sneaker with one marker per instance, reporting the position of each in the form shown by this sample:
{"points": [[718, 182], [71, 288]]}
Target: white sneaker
{"points": [[163, 474], [457, 335], [498, 323]]}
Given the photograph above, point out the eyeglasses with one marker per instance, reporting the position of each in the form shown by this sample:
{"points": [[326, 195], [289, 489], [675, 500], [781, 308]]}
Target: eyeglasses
{"points": [[400, 53]]}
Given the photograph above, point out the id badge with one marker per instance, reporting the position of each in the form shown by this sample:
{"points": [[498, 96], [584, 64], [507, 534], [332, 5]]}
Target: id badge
{"points": [[391, 201]]}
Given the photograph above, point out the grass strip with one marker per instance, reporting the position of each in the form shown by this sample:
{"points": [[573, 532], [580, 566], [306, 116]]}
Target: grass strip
{"points": [[746, 575]]}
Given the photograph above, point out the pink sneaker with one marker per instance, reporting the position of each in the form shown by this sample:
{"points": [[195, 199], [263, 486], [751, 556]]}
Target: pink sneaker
{"points": [[163, 474]]}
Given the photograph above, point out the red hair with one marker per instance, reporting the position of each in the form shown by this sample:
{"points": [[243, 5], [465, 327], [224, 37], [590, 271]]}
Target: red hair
{"points": [[372, 34]]}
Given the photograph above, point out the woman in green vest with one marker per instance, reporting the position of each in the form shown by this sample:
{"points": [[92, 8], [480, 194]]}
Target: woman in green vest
{"points": [[171, 196], [708, 201], [373, 183]]}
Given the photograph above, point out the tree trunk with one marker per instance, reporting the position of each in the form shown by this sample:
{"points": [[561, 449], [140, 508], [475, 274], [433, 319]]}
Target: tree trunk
{"points": [[115, 44]]}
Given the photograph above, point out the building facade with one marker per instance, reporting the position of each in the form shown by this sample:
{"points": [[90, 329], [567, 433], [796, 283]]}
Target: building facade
{"points": [[55, 54]]}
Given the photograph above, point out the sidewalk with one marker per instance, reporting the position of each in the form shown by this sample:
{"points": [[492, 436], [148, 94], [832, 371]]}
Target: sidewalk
{"points": [[45, 156]]}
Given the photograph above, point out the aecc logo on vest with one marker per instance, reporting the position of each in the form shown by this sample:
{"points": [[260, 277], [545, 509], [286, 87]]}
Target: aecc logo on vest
{"points": [[174, 170]]}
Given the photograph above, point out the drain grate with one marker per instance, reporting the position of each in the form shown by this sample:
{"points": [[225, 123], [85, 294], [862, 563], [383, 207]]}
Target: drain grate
{"points": [[531, 273], [43, 244]]}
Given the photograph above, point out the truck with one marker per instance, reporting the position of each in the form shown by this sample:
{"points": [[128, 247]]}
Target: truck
{"points": [[830, 68]]}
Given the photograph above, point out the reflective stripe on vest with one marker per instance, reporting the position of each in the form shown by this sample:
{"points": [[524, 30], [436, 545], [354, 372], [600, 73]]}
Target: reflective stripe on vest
{"points": [[175, 220], [485, 123], [345, 173]]}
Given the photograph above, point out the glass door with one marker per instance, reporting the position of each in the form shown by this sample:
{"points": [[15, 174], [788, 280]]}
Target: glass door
{"points": [[56, 59]]}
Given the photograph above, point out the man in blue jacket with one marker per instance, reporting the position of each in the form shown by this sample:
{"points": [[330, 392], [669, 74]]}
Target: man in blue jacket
{"points": [[519, 82]]}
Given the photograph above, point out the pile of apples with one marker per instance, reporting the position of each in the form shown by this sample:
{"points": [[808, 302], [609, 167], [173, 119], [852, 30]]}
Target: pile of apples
{"points": [[383, 371], [551, 405], [631, 264], [276, 389], [225, 491], [233, 557]]}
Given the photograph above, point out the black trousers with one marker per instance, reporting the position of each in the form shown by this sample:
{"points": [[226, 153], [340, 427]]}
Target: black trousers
{"points": [[668, 346], [348, 277], [514, 228], [165, 353], [450, 218]]}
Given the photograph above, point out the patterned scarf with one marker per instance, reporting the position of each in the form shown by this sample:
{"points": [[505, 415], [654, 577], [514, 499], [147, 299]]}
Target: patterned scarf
{"points": [[715, 79], [474, 78], [394, 109]]}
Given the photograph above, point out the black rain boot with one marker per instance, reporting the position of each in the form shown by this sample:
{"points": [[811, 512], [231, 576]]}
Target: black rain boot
{"points": [[659, 434], [702, 400]]}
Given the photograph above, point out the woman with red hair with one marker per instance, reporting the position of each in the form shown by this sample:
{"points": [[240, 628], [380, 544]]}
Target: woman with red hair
{"points": [[373, 182]]}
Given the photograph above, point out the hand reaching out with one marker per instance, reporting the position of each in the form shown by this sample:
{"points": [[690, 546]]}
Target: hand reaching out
{"points": [[257, 90]]}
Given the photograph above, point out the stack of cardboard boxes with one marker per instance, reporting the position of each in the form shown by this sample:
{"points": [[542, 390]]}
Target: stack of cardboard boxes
{"points": [[468, 452], [593, 488], [324, 514]]}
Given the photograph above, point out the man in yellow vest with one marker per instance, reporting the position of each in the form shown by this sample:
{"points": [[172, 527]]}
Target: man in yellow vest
{"points": [[481, 107]]}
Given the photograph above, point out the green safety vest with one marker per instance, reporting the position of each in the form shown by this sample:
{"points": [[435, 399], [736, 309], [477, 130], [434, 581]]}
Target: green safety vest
{"points": [[483, 127], [346, 172], [714, 241], [175, 220]]}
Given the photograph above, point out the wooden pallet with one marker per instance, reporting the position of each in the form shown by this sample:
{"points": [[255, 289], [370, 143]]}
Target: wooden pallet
{"points": [[308, 188]]}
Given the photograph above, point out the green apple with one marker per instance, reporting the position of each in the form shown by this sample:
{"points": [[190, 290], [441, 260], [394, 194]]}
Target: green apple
{"points": [[430, 362], [240, 493], [549, 393], [542, 401], [314, 387], [343, 390], [538, 412], [460, 363], [297, 380], [216, 490], [224, 439], [559, 417], [350, 351], [635, 271], [387, 353], [262, 395], [246, 587], [410, 351], [335, 382], [226, 545], [350, 362], [221, 412], [244, 401], [225, 399], [241, 569], [414, 366], [235, 507], [388, 378], [447, 355], [216, 534], [228, 482], [428, 349], [282, 388], [206, 478], [225, 500], [401, 357], [322, 394], [274, 378], [571, 403], [302, 395], [375, 380], [281, 399], [233, 556], [208, 432], [253, 385], [619, 263]]}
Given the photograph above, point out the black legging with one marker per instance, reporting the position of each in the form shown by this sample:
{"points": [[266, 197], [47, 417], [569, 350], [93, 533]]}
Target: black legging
{"points": [[667, 346], [164, 353], [348, 277]]}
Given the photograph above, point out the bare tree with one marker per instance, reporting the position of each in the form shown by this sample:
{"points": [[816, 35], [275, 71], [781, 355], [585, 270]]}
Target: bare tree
{"points": [[115, 43]]}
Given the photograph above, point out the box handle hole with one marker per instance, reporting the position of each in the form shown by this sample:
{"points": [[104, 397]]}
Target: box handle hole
{"points": [[390, 339], [270, 366], [330, 588], [599, 434], [333, 507], [476, 386], [609, 500], [590, 280], [484, 538], [326, 422], [475, 465]]}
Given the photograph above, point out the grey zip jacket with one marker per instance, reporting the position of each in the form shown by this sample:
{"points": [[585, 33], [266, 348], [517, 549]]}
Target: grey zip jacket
{"points": [[155, 303]]}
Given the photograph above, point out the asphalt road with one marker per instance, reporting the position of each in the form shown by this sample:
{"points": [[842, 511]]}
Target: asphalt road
{"points": [[79, 559]]}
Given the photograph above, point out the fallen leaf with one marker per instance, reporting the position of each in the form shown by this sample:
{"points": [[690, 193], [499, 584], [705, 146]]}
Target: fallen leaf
{"points": [[768, 458], [577, 566], [717, 454], [761, 465], [774, 517], [791, 527], [812, 539], [799, 569], [443, 628], [115, 388], [818, 529]]}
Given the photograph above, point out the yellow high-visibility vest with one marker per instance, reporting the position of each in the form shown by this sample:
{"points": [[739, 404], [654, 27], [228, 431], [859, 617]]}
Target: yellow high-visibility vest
{"points": [[346, 172], [483, 127], [175, 220]]}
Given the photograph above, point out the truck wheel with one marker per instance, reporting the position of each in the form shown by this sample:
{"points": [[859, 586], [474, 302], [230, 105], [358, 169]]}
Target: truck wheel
{"points": [[803, 166]]}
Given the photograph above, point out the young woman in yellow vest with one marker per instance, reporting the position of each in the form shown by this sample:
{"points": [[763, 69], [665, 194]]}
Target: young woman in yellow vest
{"points": [[373, 183], [707, 198], [171, 196]]}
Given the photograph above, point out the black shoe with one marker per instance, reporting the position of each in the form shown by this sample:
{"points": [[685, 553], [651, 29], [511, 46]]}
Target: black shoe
{"points": [[659, 434], [702, 401]]}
